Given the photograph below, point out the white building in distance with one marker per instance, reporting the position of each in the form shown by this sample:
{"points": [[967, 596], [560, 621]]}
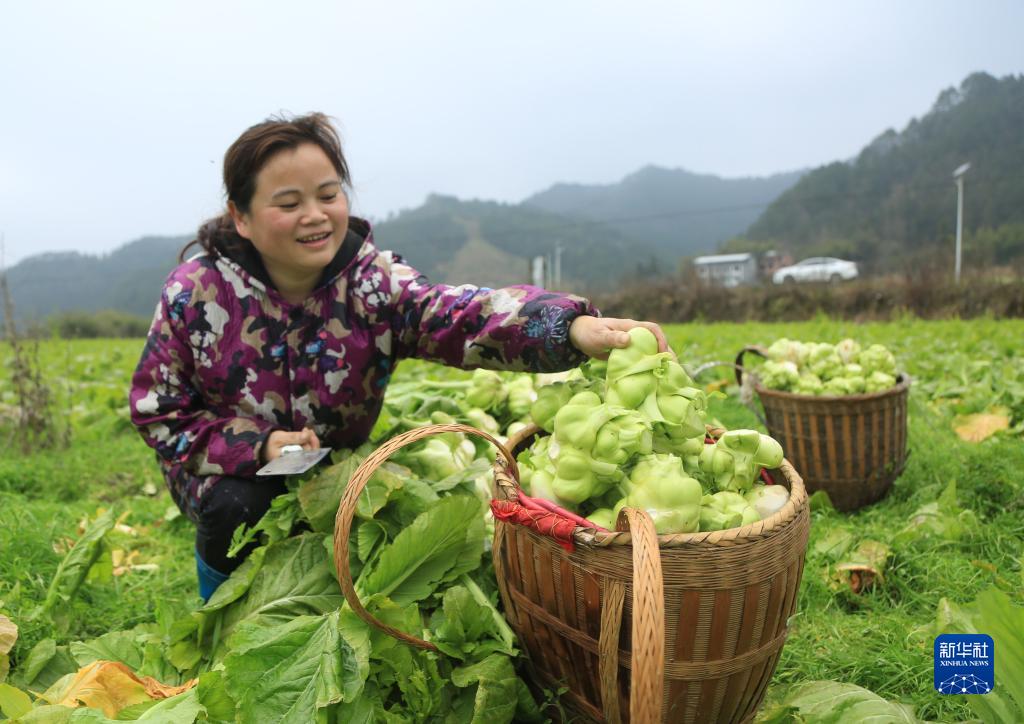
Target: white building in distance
{"points": [[727, 270]]}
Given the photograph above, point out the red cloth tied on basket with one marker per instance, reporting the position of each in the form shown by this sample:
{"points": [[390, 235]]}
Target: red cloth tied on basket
{"points": [[542, 521]]}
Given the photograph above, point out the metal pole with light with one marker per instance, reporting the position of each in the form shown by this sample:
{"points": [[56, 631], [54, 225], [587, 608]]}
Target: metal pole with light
{"points": [[958, 177]]}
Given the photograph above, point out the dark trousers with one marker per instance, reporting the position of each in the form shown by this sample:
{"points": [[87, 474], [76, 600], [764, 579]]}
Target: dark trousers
{"points": [[224, 507]]}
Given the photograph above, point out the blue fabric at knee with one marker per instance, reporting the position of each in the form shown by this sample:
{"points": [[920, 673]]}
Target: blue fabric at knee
{"points": [[209, 578]]}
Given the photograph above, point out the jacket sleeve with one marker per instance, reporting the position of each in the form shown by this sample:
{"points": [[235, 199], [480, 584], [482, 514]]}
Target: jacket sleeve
{"points": [[167, 404], [518, 328]]}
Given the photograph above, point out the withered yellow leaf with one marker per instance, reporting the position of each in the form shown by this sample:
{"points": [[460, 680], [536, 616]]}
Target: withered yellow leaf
{"points": [[865, 566], [980, 426], [111, 686], [8, 635]]}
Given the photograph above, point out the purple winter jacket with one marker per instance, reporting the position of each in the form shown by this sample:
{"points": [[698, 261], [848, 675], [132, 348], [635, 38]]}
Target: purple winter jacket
{"points": [[228, 360]]}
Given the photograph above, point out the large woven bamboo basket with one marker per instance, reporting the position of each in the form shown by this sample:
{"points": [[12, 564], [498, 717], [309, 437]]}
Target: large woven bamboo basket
{"points": [[647, 628], [853, 447], [636, 626]]}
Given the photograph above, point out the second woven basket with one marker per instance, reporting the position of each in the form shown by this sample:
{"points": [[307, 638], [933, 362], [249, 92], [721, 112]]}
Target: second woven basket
{"points": [[852, 447]]}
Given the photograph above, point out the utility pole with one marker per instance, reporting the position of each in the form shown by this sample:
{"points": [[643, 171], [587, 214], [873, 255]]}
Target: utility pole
{"points": [[958, 177], [558, 266], [537, 271]]}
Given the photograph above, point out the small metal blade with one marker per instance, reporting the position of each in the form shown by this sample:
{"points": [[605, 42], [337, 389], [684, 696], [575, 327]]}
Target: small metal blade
{"points": [[293, 463]]}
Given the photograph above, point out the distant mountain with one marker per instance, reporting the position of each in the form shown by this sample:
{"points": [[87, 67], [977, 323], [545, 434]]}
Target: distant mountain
{"points": [[490, 243], [679, 212], [128, 279], [896, 201]]}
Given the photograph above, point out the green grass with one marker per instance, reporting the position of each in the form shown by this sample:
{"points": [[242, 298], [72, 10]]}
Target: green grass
{"points": [[43, 499], [877, 639], [870, 639], [44, 496]]}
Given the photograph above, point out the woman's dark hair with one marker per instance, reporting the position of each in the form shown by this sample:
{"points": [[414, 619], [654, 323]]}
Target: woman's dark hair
{"points": [[248, 155]]}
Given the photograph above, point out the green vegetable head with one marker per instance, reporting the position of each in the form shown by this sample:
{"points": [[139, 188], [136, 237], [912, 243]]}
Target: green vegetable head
{"points": [[767, 499], [514, 427], [675, 400], [789, 351], [877, 358], [603, 517], [631, 376], [808, 384], [879, 381], [550, 399], [779, 375], [486, 391], [848, 350], [595, 369], [735, 459], [839, 386], [714, 519], [659, 485], [579, 421], [641, 378], [726, 510], [855, 383], [435, 460], [541, 485], [622, 437], [673, 439], [578, 477], [520, 396], [824, 361], [454, 440], [482, 421]]}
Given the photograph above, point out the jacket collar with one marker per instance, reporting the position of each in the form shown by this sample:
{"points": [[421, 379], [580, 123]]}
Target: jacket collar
{"points": [[249, 261]]}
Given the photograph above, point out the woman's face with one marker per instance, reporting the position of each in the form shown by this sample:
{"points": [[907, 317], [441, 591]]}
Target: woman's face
{"points": [[298, 217]]}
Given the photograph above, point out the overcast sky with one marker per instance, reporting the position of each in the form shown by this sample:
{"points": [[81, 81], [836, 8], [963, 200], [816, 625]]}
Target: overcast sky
{"points": [[116, 115]]}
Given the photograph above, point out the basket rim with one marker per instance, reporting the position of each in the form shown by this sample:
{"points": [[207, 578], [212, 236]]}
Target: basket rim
{"points": [[902, 385], [593, 538]]}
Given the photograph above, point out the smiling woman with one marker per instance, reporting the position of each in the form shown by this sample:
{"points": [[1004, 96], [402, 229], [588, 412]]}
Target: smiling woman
{"points": [[285, 330], [297, 218]]}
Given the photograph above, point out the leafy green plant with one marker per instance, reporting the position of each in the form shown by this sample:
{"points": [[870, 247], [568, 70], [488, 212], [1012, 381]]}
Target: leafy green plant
{"points": [[833, 702]]}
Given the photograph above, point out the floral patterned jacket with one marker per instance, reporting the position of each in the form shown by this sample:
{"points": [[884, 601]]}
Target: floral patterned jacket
{"points": [[228, 360]]}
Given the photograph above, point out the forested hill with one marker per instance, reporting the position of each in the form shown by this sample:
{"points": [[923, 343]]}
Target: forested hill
{"points": [[128, 279], [680, 212], [491, 244], [897, 200]]}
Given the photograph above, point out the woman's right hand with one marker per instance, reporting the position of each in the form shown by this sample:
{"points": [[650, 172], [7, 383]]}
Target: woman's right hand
{"points": [[279, 438]]}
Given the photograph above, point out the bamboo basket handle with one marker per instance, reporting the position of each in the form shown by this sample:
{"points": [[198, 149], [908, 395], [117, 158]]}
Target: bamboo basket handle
{"points": [[648, 633], [759, 351], [347, 509]]}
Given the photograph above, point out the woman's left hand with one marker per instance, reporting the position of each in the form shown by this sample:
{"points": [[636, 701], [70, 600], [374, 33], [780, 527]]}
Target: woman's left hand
{"points": [[597, 336]]}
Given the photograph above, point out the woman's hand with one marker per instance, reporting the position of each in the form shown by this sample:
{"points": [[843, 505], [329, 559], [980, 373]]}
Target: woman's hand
{"points": [[279, 438], [597, 336]]}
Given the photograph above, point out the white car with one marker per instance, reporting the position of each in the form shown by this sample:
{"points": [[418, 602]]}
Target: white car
{"points": [[816, 269]]}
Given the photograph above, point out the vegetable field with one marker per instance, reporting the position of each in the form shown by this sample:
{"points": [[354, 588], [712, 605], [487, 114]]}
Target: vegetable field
{"points": [[96, 562]]}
